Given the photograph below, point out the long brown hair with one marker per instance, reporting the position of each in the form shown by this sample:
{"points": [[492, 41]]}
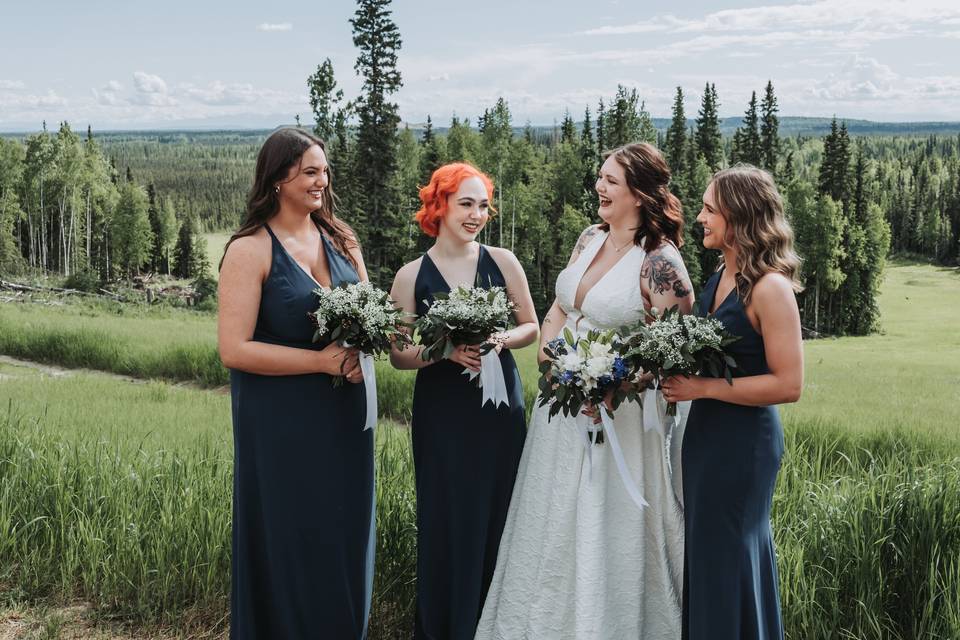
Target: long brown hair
{"points": [[648, 176], [280, 152], [753, 209]]}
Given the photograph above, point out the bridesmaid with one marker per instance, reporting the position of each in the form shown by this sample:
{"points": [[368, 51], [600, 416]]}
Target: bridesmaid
{"points": [[734, 441], [465, 455], [303, 526]]}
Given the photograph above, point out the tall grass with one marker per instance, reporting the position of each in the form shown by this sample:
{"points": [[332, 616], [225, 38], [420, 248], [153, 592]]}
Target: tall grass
{"points": [[867, 530], [143, 535]]}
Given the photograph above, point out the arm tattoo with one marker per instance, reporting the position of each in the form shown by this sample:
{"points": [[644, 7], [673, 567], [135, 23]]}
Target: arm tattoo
{"points": [[584, 240], [663, 275]]}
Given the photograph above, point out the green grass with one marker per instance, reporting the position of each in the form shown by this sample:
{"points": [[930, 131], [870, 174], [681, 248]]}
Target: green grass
{"points": [[908, 376], [216, 241], [119, 493], [866, 512]]}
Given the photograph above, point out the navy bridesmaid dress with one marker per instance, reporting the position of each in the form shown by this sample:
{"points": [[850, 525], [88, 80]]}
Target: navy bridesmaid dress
{"points": [[303, 494], [466, 458], [731, 456]]}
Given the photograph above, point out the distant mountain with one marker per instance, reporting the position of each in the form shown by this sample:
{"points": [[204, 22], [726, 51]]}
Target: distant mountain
{"points": [[789, 126]]}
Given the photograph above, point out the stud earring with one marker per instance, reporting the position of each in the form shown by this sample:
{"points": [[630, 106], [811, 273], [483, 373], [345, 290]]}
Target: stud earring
{"points": [[277, 189]]}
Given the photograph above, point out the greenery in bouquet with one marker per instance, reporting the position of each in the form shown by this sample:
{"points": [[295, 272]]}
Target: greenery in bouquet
{"points": [[584, 370], [675, 343], [465, 316], [360, 316]]}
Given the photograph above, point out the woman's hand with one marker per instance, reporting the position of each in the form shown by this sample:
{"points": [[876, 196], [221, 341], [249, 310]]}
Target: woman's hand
{"points": [[682, 388], [497, 340], [466, 355], [341, 361], [593, 411]]}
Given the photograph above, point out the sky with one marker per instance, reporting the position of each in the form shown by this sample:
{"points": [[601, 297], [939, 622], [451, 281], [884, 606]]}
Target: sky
{"points": [[208, 63]]}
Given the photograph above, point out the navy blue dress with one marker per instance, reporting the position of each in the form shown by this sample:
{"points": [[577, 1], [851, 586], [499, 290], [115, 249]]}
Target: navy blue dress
{"points": [[731, 456], [303, 492], [466, 460]]}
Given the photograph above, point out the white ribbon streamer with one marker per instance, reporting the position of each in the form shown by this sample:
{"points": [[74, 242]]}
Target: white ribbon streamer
{"points": [[492, 382], [585, 426], [628, 483], [654, 411], [370, 384]]}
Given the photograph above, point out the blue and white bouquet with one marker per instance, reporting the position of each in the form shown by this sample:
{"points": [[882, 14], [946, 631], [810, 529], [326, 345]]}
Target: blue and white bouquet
{"points": [[676, 343], [586, 370], [362, 317], [469, 316], [583, 371]]}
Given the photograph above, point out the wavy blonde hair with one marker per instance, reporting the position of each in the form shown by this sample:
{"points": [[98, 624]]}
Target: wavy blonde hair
{"points": [[753, 209]]}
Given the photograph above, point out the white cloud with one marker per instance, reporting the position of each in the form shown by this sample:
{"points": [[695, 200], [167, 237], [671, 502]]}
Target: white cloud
{"points": [[218, 93], [146, 83], [107, 94], [891, 18], [275, 26], [28, 101], [151, 90], [11, 84]]}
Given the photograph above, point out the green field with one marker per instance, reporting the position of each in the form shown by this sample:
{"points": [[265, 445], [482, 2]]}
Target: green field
{"points": [[116, 492]]}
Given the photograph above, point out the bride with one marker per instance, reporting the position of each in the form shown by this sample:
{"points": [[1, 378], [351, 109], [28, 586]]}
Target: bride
{"points": [[578, 558]]}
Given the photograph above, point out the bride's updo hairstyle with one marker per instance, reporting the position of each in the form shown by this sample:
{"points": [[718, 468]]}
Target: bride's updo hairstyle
{"points": [[753, 210], [443, 183], [648, 176]]}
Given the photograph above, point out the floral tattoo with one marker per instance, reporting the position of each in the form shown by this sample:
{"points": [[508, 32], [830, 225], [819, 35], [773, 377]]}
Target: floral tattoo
{"points": [[662, 275]]}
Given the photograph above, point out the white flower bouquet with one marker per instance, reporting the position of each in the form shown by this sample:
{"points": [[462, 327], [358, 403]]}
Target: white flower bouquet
{"points": [[586, 370], [362, 317], [469, 316], [583, 371], [465, 316], [680, 344]]}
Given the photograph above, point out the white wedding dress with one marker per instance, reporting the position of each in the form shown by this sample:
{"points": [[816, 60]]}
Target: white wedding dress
{"points": [[578, 558]]}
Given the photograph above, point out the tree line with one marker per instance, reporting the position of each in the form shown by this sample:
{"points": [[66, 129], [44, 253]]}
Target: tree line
{"points": [[65, 208], [64, 204]]}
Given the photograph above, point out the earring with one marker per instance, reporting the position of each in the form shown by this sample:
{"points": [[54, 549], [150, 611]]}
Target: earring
{"points": [[277, 189]]}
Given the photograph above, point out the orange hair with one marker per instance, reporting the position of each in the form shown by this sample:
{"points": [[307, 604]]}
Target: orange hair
{"points": [[444, 182]]}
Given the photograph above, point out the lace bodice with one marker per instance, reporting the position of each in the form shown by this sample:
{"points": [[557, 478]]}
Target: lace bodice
{"points": [[614, 301]]}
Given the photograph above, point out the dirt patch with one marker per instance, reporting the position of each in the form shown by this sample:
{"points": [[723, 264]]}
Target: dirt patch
{"points": [[75, 622]]}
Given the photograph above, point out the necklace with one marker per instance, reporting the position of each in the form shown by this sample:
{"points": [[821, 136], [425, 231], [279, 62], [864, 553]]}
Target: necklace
{"points": [[615, 247]]}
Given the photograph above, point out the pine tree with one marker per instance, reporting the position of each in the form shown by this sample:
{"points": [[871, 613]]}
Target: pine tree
{"points": [[430, 157], [746, 140], [378, 39], [131, 234], [568, 130], [324, 96], [769, 130], [601, 131], [708, 129], [646, 132], [677, 136], [190, 259]]}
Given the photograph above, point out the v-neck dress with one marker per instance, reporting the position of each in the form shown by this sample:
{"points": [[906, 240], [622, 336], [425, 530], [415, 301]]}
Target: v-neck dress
{"points": [[731, 456], [303, 522], [578, 559], [465, 456]]}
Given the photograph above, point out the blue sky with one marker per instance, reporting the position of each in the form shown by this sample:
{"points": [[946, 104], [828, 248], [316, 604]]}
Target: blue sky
{"points": [[129, 65]]}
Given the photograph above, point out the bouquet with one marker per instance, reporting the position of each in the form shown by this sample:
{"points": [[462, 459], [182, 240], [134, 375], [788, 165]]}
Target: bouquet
{"points": [[680, 344], [582, 371], [362, 317], [586, 370], [469, 316]]}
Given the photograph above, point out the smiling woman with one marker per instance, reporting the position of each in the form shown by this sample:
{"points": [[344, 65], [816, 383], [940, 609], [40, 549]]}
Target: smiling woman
{"points": [[465, 451], [301, 455]]}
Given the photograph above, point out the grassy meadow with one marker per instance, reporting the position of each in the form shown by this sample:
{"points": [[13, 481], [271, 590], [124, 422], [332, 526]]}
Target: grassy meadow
{"points": [[116, 492]]}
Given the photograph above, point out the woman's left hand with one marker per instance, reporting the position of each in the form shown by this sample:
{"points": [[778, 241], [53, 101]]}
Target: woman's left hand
{"points": [[497, 341], [682, 388]]}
